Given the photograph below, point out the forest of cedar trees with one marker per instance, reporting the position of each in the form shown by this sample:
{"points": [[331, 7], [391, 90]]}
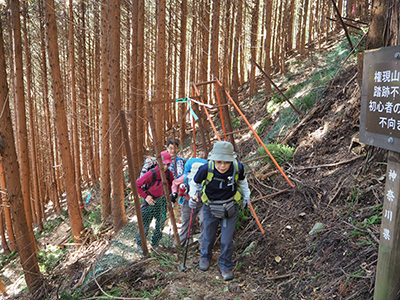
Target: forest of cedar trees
{"points": [[68, 68]]}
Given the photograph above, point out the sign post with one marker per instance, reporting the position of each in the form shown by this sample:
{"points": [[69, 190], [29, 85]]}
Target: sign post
{"points": [[380, 127]]}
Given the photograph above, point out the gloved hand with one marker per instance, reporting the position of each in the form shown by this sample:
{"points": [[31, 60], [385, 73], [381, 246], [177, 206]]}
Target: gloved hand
{"points": [[194, 203], [173, 197], [246, 203]]}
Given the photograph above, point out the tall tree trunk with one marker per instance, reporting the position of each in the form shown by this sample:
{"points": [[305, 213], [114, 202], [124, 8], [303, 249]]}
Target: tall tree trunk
{"points": [[105, 181], [391, 34], [96, 92], [253, 45], [134, 66], [86, 143], [25, 242], [20, 113], [4, 244], [279, 38], [300, 25], [182, 68], [34, 161], [235, 62], [227, 57], [267, 45], [303, 28], [140, 82], [72, 87], [205, 43], [114, 96], [215, 39], [74, 211], [5, 213], [54, 187], [160, 69], [376, 31], [291, 25]]}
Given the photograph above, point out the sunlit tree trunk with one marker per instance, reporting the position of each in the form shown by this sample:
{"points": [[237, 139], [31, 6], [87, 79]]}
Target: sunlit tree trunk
{"points": [[227, 48], [115, 105], [22, 135], [53, 184], [215, 39], [134, 64], [194, 56], [140, 82], [204, 42], [235, 62], [279, 38], [74, 211], [303, 28], [96, 93], [182, 68], [328, 16], [253, 45], [25, 242], [4, 244], [4, 210], [291, 25], [105, 181], [160, 69], [32, 137], [72, 88], [267, 44]]}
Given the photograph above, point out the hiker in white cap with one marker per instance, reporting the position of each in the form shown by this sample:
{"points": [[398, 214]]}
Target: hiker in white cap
{"points": [[223, 185]]}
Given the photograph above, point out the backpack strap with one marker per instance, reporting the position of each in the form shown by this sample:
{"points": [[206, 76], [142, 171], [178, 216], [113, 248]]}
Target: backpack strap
{"points": [[154, 178], [210, 175]]}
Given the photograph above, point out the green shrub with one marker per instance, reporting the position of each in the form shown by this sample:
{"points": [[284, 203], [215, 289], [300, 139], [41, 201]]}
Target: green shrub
{"points": [[281, 153], [7, 258], [235, 123], [50, 257]]}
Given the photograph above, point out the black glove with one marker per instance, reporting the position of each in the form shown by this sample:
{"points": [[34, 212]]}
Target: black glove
{"points": [[173, 197]]}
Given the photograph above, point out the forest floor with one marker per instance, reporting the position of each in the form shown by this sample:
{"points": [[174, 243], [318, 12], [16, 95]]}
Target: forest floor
{"points": [[338, 184]]}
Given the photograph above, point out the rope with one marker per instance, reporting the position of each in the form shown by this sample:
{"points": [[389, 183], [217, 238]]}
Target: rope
{"points": [[188, 101]]}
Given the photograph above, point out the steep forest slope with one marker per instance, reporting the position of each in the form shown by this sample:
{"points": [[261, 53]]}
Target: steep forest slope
{"points": [[321, 237]]}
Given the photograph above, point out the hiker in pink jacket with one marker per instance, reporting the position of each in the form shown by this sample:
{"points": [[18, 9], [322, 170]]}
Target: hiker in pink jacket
{"points": [[154, 202]]}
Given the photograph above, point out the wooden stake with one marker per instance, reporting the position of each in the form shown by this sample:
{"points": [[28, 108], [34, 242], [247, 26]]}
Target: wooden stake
{"points": [[132, 177], [387, 281], [163, 178]]}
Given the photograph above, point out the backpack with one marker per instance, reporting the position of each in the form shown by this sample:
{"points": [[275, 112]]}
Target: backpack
{"points": [[148, 163], [154, 179], [210, 175]]}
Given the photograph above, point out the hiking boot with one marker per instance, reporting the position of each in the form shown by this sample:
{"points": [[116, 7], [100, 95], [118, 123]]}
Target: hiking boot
{"points": [[204, 265], [226, 274]]}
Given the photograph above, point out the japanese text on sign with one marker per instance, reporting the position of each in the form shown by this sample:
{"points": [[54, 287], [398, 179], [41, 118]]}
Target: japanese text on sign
{"points": [[388, 215], [383, 113]]}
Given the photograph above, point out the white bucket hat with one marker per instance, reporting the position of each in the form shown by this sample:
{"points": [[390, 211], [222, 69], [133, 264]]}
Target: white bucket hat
{"points": [[223, 151]]}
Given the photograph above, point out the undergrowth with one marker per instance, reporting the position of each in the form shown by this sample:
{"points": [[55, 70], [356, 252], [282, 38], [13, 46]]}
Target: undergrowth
{"points": [[281, 153]]}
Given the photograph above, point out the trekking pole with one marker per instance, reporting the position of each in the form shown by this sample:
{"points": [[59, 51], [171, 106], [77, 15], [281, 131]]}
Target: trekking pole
{"points": [[187, 242]]}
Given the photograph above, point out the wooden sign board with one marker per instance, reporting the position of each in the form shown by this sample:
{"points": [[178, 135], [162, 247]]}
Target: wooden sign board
{"points": [[380, 127], [380, 99]]}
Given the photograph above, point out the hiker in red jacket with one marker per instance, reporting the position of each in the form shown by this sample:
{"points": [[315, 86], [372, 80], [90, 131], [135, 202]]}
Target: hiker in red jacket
{"points": [[154, 202]]}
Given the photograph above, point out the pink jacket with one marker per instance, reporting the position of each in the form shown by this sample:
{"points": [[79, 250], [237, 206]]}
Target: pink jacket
{"points": [[156, 190]]}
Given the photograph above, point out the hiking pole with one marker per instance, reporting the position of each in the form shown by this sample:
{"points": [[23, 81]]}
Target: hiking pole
{"points": [[187, 241]]}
